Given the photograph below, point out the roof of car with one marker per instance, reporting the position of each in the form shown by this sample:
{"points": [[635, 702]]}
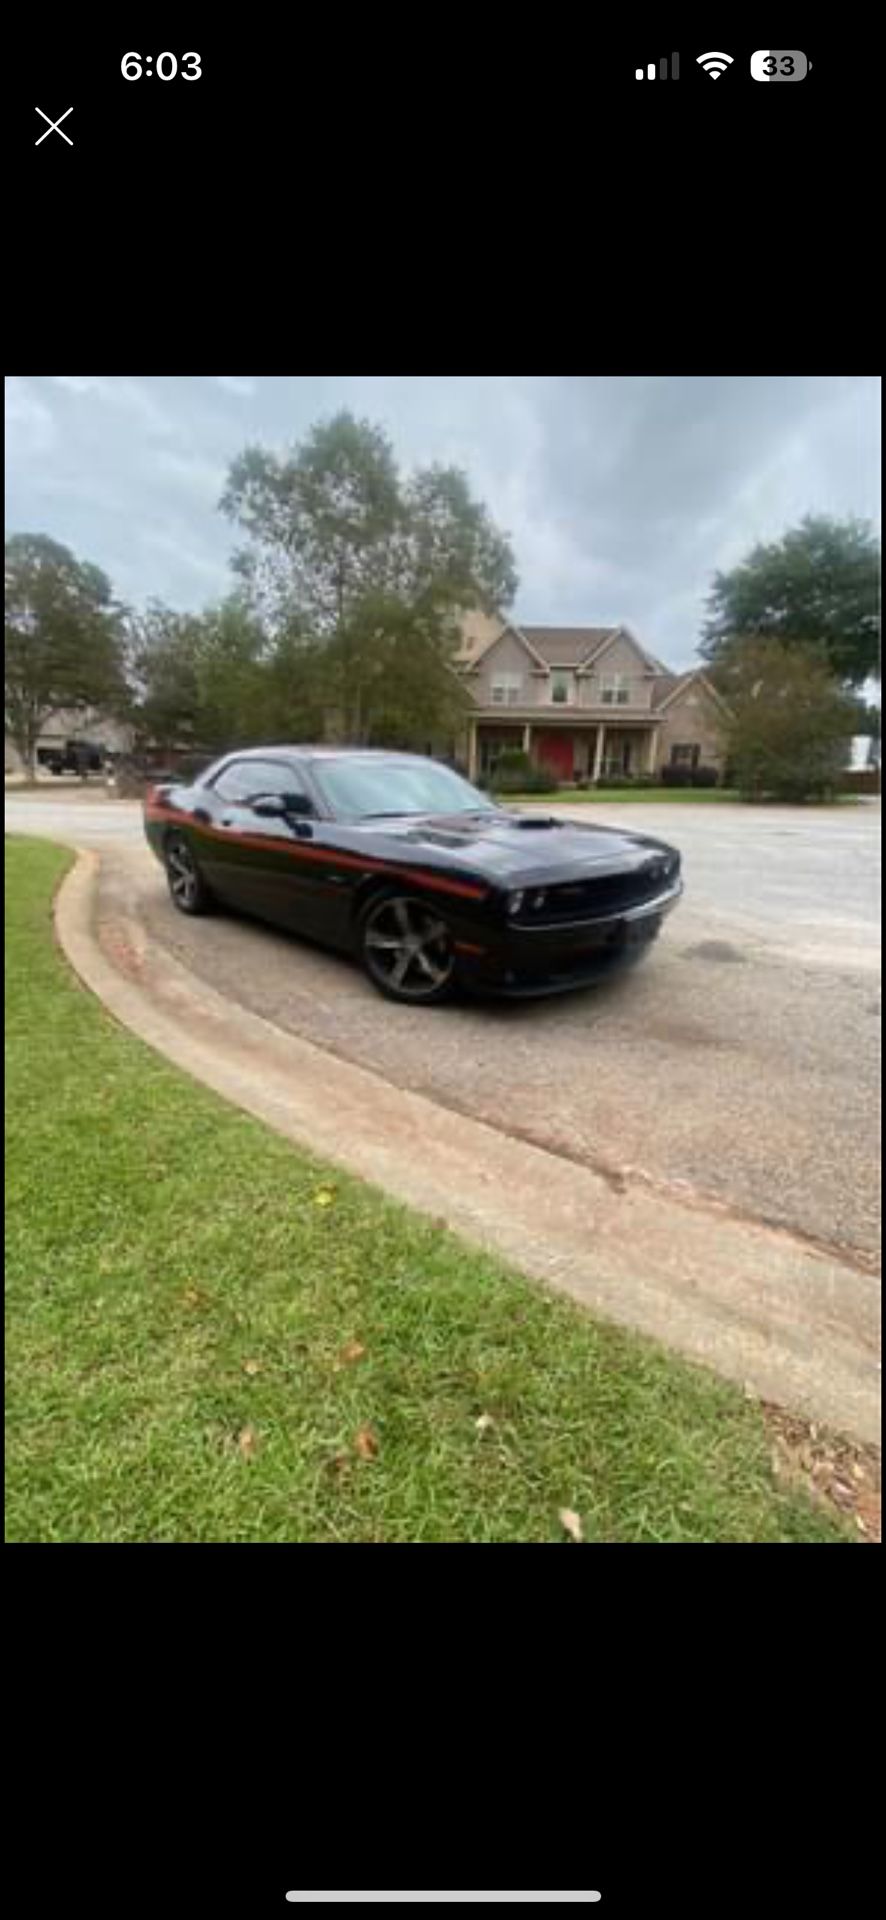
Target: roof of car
{"points": [[321, 753]]}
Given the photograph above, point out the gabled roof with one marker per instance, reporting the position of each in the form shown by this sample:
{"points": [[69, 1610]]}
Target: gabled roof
{"points": [[577, 648], [581, 647], [679, 685], [567, 646], [518, 633]]}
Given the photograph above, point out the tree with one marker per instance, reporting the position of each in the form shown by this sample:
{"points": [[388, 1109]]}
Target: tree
{"points": [[790, 722], [216, 680], [63, 639], [162, 665], [818, 586], [361, 573]]}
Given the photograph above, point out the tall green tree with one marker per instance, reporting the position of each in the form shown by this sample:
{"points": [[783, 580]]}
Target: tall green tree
{"points": [[215, 680], [162, 663], [790, 721], [818, 586], [363, 571], [64, 639]]}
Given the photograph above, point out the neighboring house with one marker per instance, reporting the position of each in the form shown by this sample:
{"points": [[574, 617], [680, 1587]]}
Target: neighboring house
{"points": [[583, 702], [70, 725]]}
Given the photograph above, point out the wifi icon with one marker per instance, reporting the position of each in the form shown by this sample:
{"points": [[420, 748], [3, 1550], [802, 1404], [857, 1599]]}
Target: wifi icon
{"points": [[714, 63]]}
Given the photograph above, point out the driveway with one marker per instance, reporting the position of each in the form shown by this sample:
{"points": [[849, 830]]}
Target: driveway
{"points": [[739, 1062]]}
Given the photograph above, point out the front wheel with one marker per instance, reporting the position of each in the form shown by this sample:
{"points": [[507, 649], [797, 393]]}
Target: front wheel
{"points": [[407, 950], [187, 887]]}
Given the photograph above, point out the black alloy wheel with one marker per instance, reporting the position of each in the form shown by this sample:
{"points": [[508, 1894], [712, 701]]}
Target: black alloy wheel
{"points": [[407, 949], [187, 886]]}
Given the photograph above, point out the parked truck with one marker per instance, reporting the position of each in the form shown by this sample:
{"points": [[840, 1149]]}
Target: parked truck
{"points": [[75, 756]]}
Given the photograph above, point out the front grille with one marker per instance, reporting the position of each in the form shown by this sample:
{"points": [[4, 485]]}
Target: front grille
{"points": [[611, 893]]}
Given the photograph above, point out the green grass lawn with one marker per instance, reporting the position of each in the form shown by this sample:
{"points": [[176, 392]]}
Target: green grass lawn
{"points": [[213, 1337]]}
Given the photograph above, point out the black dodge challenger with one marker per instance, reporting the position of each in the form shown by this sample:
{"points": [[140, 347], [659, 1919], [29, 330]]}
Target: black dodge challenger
{"points": [[397, 859]]}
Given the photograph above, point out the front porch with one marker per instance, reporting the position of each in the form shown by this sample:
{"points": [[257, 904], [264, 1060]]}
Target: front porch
{"points": [[570, 752]]}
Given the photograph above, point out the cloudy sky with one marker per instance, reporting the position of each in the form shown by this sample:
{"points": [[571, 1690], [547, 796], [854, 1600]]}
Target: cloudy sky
{"points": [[621, 496]]}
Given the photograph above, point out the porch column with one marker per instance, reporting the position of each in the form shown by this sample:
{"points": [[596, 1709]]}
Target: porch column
{"points": [[652, 754], [598, 754], [527, 736], [472, 750]]}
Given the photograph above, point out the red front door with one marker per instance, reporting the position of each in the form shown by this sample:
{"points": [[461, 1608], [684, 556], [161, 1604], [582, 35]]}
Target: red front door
{"points": [[554, 752]]}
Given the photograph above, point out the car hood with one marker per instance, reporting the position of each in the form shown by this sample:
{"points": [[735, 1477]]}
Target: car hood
{"points": [[518, 848]]}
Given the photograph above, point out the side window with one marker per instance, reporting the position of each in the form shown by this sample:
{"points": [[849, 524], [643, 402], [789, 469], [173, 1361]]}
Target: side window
{"points": [[234, 782], [244, 780], [271, 776]]}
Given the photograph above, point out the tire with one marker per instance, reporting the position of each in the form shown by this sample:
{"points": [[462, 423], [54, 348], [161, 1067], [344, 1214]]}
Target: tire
{"points": [[187, 888], [407, 949]]}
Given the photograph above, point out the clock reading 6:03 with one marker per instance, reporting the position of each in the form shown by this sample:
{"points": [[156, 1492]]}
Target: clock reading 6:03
{"points": [[136, 66]]}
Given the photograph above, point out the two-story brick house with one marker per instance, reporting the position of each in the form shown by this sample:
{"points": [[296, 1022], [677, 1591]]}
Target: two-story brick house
{"points": [[582, 702]]}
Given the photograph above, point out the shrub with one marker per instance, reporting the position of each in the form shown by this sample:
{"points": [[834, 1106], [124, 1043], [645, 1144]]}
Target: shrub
{"points": [[512, 760], [536, 780], [617, 780], [676, 776], [704, 777]]}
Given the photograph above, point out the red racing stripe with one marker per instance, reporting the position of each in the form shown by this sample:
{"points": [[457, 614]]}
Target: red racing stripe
{"points": [[365, 862]]}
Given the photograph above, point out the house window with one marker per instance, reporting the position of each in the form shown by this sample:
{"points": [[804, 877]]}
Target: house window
{"points": [[615, 691], [506, 689], [685, 756], [617, 758], [561, 687]]}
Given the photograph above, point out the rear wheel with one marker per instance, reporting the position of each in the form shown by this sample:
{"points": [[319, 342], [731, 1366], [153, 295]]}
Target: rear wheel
{"points": [[187, 887], [407, 949]]}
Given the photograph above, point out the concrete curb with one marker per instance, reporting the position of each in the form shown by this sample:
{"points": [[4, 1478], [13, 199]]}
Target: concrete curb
{"points": [[789, 1323]]}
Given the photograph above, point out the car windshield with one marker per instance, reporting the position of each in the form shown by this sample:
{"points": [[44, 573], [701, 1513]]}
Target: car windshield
{"points": [[374, 789]]}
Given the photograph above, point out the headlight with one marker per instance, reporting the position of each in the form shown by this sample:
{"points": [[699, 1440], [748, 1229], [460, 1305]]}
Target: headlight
{"points": [[515, 902], [537, 900]]}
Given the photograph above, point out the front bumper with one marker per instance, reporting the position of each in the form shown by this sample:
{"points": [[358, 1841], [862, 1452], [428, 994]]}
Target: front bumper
{"points": [[523, 962]]}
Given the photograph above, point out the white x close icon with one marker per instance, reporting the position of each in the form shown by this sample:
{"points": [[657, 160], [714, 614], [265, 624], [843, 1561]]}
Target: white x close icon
{"points": [[53, 126]]}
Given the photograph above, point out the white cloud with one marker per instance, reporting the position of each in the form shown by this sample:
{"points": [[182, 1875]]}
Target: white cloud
{"points": [[185, 555], [78, 382], [30, 428], [130, 395], [243, 387], [204, 479]]}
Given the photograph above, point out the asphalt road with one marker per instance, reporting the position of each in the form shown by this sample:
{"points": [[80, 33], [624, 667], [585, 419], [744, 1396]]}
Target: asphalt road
{"points": [[741, 1058]]}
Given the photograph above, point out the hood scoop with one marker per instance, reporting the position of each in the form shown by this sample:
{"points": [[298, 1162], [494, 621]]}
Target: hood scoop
{"points": [[536, 826]]}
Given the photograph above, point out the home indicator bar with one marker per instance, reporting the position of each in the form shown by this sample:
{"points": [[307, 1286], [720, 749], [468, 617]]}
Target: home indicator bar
{"points": [[649, 73]]}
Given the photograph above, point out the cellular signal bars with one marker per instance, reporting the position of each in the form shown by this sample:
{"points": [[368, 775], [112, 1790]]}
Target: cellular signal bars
{"points": [[648, 73]]}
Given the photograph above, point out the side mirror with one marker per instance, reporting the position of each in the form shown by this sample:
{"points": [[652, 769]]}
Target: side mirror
{"points": [[275, 806], [269, 806]]}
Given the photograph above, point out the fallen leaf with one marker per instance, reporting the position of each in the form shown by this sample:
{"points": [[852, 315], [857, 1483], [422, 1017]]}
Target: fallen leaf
{"points": [[571, 1522], [252, 1367], [353, 1351], [340, 1463], [247, 1442], [324, 1196], [484, 1423], [366, 1443], [191, 1297]]}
